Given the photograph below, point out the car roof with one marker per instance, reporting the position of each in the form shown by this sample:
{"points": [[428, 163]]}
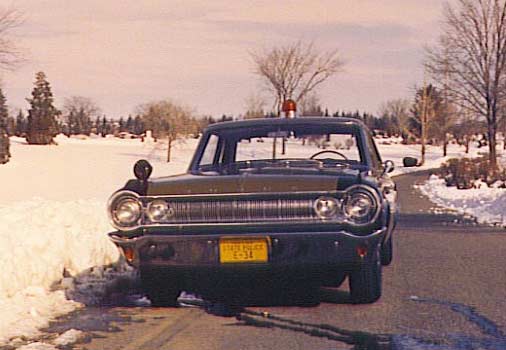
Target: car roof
{"points": [[252, 123]]}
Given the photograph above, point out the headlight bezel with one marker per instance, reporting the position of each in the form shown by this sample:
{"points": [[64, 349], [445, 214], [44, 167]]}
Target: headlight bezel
{"points": [[113, 205], [365, 192], [168, 211], [333, 214]]}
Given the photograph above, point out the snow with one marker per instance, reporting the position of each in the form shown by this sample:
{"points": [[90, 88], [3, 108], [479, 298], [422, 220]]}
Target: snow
{"points": [[487, 205], [54, 223], [38, 346], [69, 337], [54, 250], [391, 149]]}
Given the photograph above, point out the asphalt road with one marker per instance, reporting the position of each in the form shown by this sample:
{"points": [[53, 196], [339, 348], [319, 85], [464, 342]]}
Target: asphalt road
{"points": [[446, 289]]}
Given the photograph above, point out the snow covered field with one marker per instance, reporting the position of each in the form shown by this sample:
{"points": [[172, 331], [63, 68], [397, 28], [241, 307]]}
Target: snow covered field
{"points": [[54, 222]]}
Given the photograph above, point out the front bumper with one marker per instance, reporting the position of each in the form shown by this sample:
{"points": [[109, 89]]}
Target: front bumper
{"points": [[286, 250]]}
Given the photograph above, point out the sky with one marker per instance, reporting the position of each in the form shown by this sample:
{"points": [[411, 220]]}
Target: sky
{"points": [[122, 53]]}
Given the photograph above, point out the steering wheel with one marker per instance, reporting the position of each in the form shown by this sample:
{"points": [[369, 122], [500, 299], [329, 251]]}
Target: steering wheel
{"points": [[328, 151]]}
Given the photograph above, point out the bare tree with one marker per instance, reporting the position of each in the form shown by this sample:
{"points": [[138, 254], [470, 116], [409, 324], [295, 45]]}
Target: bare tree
{"points": [[470, 60], [466, 127], [295, 70], [398, 111], [168, 119], [78, 103], [10, 56], [428, 103], [442, 124], [78, 112], [310, 105]]}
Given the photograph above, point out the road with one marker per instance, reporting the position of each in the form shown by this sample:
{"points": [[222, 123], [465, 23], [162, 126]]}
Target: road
{"points": [[446, 289]]}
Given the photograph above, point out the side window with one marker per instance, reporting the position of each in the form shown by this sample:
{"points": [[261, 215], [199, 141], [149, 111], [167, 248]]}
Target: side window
{"points": [[375, 156], [209, 154]]}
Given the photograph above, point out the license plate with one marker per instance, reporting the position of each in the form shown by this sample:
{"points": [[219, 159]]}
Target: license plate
{"points": [[243, 250]]}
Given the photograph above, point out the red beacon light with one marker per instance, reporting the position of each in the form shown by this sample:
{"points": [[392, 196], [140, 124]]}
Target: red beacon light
{"points": [[289, 108]]}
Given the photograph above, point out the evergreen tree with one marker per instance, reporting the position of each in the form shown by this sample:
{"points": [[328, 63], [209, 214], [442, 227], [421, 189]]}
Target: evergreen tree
{"points": [[20, 124], [11, 126], [42, 126], [98, 126], [83, 122], [4, 138], [138, 125], [121, 124], [4, 112], [104, 127], [130, 125]]}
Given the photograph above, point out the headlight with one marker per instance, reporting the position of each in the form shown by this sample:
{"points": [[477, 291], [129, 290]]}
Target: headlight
{"points": [[158, 210], [125, 210], [360, 205], [326, 207]]}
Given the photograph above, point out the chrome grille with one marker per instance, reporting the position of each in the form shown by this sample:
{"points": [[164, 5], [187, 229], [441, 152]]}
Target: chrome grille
{"points": [[237, 211]]}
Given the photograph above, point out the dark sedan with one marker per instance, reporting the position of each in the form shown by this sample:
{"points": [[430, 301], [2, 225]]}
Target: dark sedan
{"points": [[300, 203]]}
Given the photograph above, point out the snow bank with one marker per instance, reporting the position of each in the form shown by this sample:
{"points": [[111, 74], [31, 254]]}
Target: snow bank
{"points": [[39, 239], [488, 205]]}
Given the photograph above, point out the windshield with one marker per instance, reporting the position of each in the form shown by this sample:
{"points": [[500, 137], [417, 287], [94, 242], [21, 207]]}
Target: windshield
{"points": [[303, 146]]}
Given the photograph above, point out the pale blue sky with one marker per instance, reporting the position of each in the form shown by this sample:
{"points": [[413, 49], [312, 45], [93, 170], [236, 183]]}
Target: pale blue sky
{"points": [[124, 53]]}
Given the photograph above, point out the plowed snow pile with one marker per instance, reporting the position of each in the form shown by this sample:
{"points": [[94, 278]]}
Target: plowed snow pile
{"points": [[488, 205], [53, 232], [54, 224]]}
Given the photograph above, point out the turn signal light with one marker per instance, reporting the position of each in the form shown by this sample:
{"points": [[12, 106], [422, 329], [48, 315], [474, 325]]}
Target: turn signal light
{"points": [[129, 254], [361, 251]]}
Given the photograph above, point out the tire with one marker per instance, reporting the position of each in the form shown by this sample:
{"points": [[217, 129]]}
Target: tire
{"points": [[365, 280], [387, 250], [161, 289]]}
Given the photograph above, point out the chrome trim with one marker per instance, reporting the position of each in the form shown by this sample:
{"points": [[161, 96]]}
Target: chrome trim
{"points": [[239, 208], [113, 199], [245, 194], [132, 240], [376, 198], [316, 221], [338, 206]]}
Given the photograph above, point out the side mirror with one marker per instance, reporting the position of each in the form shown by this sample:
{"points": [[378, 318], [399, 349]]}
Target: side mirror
{"points": [[409, 162], [142, 170], [388, 166]]}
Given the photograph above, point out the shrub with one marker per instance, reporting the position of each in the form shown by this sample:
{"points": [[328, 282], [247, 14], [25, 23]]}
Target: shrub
{"points": [[465, 173]]}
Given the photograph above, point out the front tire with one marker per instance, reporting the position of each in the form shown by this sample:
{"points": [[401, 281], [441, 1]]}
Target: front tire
{"points": [[161, 289], [365, 280], [387, 250]]}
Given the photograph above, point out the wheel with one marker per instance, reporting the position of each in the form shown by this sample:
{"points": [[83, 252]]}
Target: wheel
{"points": [[365, 280], [160, 288], [387, 252]]}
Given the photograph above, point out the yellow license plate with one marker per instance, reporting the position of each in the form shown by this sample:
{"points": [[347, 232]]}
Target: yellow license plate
{"points": [[243, 250]]}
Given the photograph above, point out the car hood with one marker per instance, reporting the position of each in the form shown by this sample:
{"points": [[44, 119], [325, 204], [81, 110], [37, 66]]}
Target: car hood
{"points": [[247, 183]]}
